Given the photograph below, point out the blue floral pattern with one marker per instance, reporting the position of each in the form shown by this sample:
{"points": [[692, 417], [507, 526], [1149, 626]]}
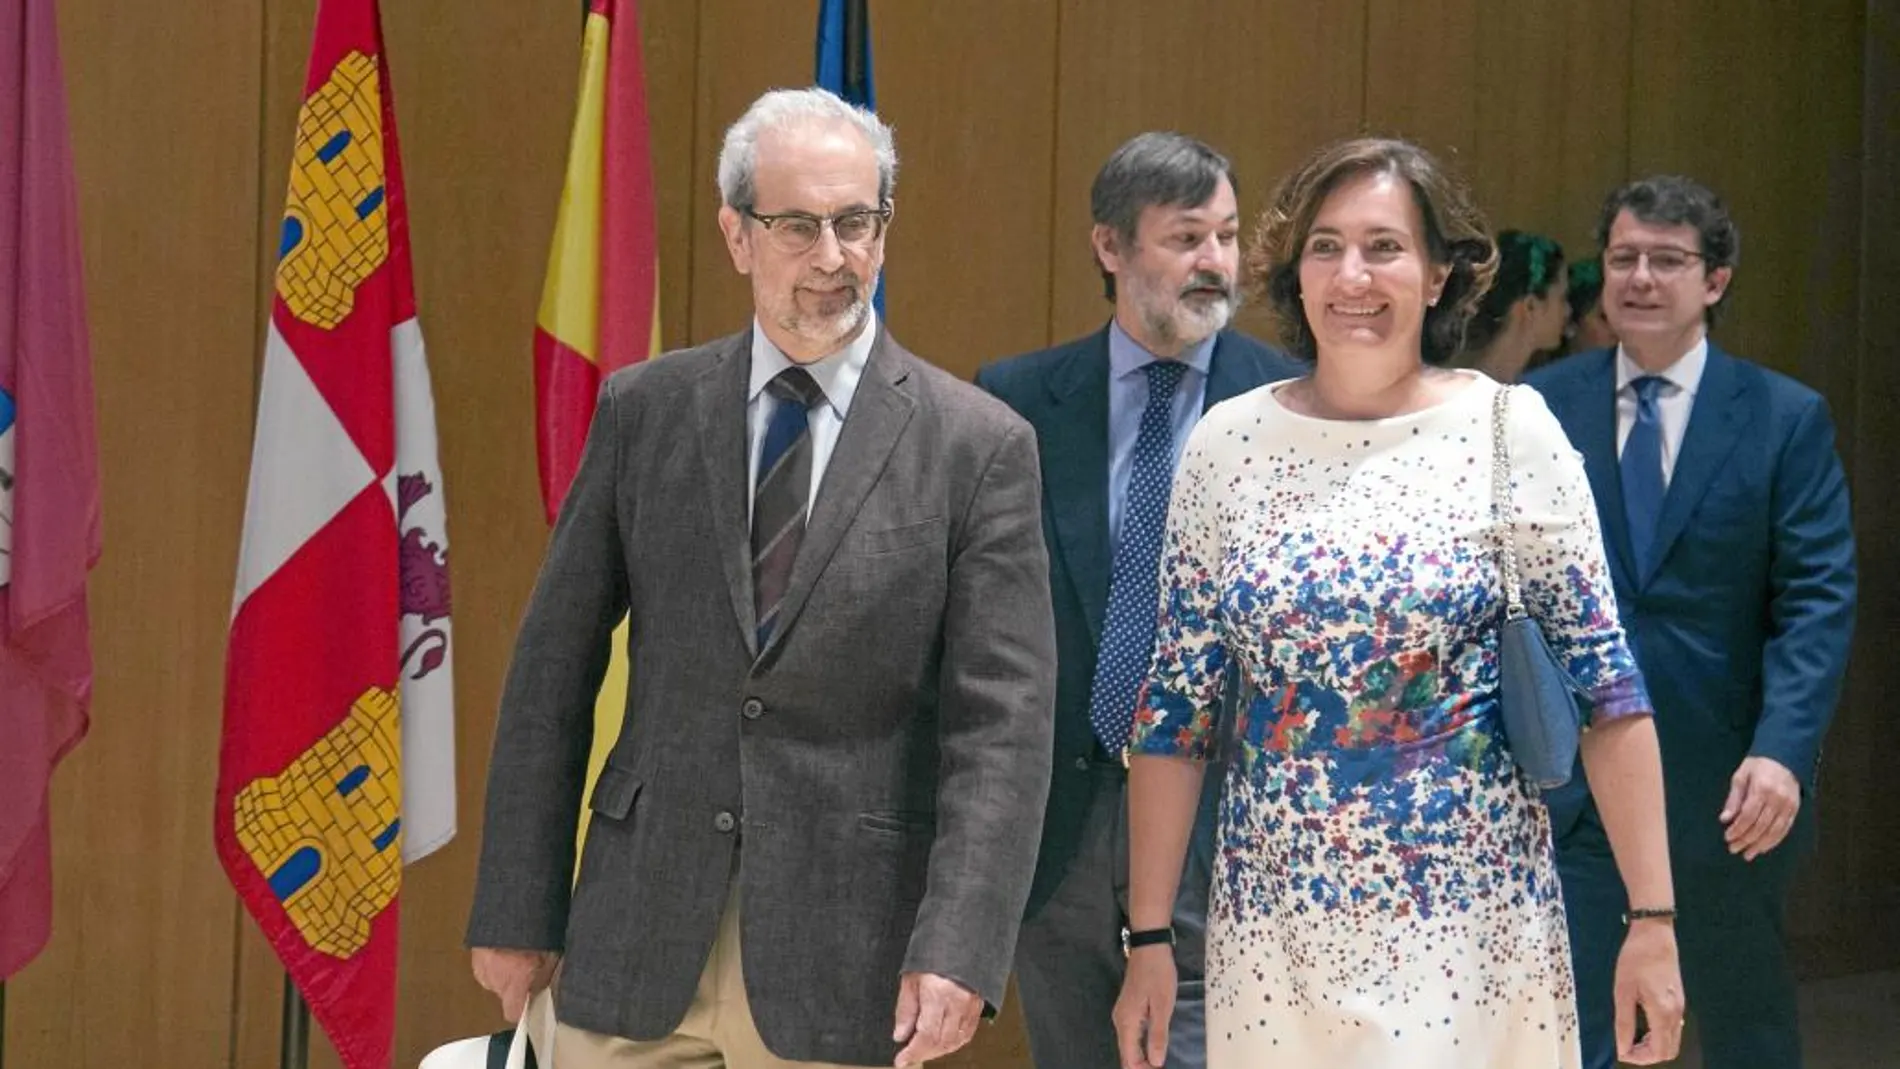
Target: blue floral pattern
{"points": [[1385, 893]]}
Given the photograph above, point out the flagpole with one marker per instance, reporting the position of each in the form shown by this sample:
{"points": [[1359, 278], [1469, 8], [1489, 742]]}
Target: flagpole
{"points": [[295, 1050]]}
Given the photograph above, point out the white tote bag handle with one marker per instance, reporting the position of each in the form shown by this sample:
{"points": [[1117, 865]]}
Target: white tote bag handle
{"points": [[536, 1029]]}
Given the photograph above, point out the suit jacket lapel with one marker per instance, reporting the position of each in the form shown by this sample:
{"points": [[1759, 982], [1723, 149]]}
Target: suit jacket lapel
{"points": [[720, 402], [1228, 374], [1074, 448], [880, 410], [1592, 425], [1716, 423]]}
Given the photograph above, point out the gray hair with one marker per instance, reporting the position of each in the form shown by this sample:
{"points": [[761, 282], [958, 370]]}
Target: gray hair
{"points": [[1156, 168], [783, 110]]}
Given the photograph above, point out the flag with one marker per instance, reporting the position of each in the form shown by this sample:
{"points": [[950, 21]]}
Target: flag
{"points": [[844, 67], [49, 470], [337, 764], [600, 299]]}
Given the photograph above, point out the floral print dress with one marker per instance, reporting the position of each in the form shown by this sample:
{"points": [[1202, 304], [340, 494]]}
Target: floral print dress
{"points": [[1385, 893]]}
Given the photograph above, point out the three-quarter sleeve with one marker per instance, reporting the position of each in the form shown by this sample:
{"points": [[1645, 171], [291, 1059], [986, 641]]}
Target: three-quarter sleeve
{"points": [[1174, 716], [1564, 573]]}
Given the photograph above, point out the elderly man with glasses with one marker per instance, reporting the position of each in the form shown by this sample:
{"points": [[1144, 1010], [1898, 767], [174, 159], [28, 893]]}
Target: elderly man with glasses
{"points": [[812, 841], [1725, 511]]}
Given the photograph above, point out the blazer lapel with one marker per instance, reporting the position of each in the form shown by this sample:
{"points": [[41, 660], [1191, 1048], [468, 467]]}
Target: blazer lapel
{"points": [[880, 410], [1716, 423], [1075, 474], [720, 402], [1592, 426], [1228, 374]]}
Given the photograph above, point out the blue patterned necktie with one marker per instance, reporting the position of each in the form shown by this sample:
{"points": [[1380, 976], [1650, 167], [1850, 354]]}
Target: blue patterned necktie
{"points": [[1643, 472], [784, 486], [1128, 634]]}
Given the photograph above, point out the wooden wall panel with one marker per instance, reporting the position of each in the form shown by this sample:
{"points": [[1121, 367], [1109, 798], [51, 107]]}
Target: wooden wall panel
{"points": [[164, 154], [1422, 62], [670, 48], [1861, 803], [1551, 137], [1527, 101], [1264, 83], [967, 262], [1761, 103], [748, 46]]}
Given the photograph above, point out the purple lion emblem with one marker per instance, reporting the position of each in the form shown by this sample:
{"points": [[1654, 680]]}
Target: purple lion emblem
{"points": [[425, 581]]}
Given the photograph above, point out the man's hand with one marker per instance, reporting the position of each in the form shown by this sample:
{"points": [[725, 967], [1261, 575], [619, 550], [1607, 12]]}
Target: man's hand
{"points": [[935, 1016], [513, 975], [1763, 799]]}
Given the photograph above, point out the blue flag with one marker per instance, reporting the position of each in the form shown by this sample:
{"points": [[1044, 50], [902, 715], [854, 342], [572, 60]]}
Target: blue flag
{"points": [[844, 67]]}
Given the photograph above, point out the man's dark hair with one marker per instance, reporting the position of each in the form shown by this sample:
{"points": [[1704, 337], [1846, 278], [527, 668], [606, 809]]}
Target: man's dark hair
{"points": [[1672, 200], [1155, 168]]}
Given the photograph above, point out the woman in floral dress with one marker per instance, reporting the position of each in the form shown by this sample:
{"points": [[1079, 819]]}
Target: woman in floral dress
{"points": [[1385, 895]]}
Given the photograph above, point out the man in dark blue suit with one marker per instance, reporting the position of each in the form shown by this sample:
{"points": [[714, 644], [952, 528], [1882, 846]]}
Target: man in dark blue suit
{"points": [[1111, 412], [1725, 511]]}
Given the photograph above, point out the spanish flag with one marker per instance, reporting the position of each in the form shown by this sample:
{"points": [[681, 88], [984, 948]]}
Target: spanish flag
{"points": [[600, 301]]}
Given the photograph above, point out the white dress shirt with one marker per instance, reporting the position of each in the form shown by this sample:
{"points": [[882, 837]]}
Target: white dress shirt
{"points": [[837, 375], [1673, 402]]}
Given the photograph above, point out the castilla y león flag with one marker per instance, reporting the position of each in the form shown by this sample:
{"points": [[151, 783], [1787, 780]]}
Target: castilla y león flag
{"points": [[337, 764]]}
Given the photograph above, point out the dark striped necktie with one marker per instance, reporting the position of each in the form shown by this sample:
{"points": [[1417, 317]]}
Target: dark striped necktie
{"points": [[784, 486]]}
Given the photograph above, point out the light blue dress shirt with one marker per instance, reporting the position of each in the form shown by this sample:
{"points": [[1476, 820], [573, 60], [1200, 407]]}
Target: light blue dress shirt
{"points": [[837, 375]]}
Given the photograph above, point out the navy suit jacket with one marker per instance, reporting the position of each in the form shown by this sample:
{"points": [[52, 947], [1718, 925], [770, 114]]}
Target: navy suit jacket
{"points": [[1063, 393], [1742, 625]]}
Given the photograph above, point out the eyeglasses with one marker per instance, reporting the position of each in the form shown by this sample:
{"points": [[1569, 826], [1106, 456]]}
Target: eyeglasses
{"points": [[793, 233], [1664, 261]]}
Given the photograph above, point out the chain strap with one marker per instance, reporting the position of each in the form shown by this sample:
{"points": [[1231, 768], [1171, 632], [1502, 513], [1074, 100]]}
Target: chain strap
{"points": [[1501, 521]]}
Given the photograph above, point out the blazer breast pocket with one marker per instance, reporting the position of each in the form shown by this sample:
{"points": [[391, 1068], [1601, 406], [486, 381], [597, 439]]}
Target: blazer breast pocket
{"points": [[903, 536]]}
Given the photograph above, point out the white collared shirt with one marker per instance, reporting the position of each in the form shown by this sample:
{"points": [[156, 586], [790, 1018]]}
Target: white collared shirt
{"points": [[837, 375], [1673, 402]]}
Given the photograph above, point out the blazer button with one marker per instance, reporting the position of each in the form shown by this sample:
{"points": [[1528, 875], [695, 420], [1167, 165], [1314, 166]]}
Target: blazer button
{"points": [[752, 709], [1081, 764], [725, 822]]}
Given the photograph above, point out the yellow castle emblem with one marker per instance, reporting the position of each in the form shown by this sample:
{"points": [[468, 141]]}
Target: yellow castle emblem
{"points": [[327, 832], [335, 222]]}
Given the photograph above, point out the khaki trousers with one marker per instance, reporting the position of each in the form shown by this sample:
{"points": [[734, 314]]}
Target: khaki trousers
{"points": [[717, 1032]]}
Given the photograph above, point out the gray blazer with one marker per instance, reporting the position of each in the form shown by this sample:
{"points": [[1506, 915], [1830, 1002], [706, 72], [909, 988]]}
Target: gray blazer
{"points": [[874, 777]]}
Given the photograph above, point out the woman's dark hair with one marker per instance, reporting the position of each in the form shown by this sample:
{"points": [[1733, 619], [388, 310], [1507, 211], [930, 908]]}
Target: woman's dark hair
{"points": [[1527, 267], [1455, 236], [1586, 288]]}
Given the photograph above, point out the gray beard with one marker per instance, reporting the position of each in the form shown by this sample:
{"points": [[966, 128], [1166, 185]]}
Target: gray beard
{"points": [[845, 325]]}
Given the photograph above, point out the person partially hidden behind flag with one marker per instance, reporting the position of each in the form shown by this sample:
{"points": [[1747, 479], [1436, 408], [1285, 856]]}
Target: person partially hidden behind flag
{"points": [[825, 802]]}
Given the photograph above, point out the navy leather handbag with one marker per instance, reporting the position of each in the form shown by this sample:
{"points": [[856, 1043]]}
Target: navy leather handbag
{"points": [[1543, 721]]}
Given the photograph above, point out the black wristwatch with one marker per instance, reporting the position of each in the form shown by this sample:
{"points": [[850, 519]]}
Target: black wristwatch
{"points": [[1147, 937]]}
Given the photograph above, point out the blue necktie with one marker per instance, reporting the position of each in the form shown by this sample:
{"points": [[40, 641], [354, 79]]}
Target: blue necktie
{"points": [[1128, 634], [783, 487], [1643, 472]]}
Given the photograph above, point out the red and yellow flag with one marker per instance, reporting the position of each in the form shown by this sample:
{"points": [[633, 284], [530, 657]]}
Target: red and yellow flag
{"points": [[337, 765], [600, 302]]}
